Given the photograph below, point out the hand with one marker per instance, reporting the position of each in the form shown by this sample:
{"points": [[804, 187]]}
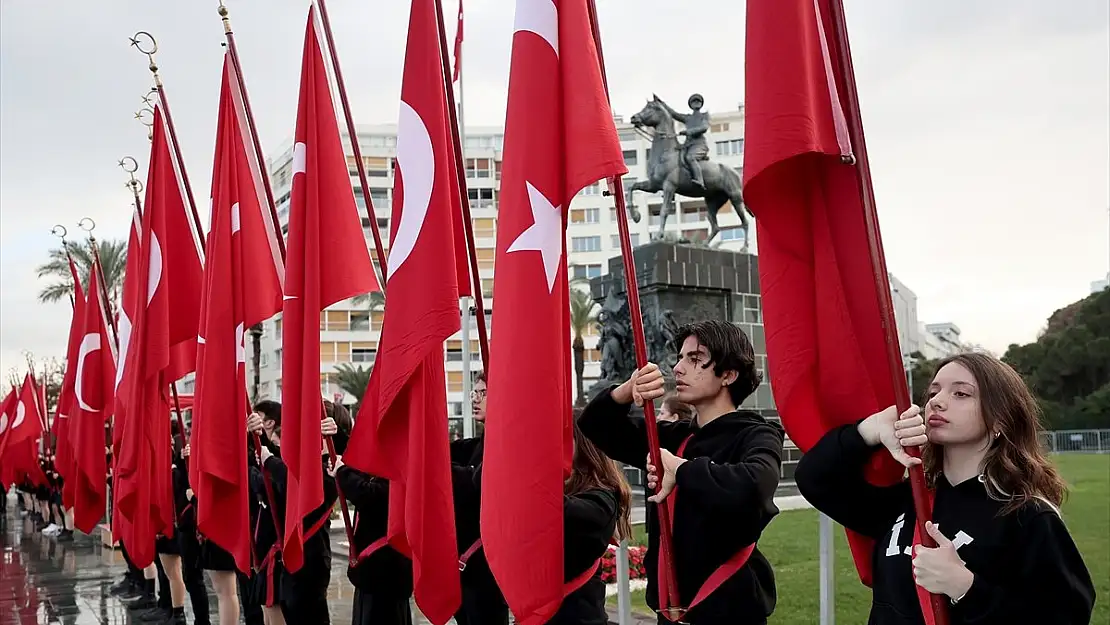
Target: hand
{"points": [[334, 468], [185, 451], [646, 384], [254, 423], [188, 493], [671, 463], [896, 432], [940, 570], [264, 454], [328, 427]]}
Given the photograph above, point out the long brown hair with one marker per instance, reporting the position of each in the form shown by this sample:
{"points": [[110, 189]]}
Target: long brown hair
{"points": [[594, 470], [1016, 468]]}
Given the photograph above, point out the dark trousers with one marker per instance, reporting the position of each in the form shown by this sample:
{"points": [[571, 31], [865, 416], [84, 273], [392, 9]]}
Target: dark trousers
{"points": [[481, 606], [371, 609], [248, 603], [193, 575]]}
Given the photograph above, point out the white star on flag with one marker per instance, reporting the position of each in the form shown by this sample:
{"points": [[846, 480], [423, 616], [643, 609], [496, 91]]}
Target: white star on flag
{"points": [[544, 235]]}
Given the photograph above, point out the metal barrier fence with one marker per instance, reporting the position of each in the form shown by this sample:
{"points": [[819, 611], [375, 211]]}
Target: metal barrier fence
{"points": [[1077, 441]]}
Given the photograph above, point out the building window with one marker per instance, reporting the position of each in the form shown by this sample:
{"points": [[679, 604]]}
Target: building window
{"points": [[361, 354], [723, 127], [585, 215], [629, 157], [735, 147], [633, 238], [700, 234], [732, 234], [360, 321], [479, 168], [585, 244], [581, 272], [591, 189], [480, 198], [628, 134], [690, 216]]}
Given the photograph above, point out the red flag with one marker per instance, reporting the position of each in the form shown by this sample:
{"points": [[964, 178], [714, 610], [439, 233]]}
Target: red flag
{"points": [[559, 137], [26, 422], [64, 460], [826, 301], [7, 465], [242, 287], [402, 424], [93, 396], [458, 45], [20, 429], [129, 303], [327, 262], [162, 349]]}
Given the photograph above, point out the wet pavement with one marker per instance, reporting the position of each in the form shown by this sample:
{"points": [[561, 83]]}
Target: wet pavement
{"points": [[44, 581]]}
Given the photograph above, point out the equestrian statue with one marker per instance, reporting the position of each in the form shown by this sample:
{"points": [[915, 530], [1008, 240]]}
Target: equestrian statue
{"points": [[684, 168]]}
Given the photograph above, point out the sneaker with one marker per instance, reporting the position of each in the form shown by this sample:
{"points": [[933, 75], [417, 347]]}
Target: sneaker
{"points": [[122, 587], [51, 529]]}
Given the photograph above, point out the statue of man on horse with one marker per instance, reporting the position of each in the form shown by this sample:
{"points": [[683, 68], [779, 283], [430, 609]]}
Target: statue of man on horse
{"points": [[685, 168]]}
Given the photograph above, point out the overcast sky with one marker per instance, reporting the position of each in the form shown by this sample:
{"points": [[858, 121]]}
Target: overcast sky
{"points": [[988, 125]]}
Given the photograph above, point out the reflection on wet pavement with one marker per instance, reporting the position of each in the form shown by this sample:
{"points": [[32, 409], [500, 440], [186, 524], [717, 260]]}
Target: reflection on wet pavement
{"points": [[47, 582]]}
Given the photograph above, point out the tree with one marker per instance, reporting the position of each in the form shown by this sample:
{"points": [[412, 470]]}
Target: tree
{"points": [[581, 316], [113, 258], [352, 379], [1068, 367], [373, 301]]}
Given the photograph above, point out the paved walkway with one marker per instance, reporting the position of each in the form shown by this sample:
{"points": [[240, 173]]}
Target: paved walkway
{"points": [[66, 583]]}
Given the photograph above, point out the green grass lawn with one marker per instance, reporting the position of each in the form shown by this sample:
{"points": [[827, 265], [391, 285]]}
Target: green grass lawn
{"points": [[790, 543]]}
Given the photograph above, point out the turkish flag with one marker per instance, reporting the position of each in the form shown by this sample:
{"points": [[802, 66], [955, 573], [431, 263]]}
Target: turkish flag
{"points": [[20, 427], [401, 431], [826, 300], [242, 287], [559, 137], [64, 451], [93, 396], [129, 303], [7, 465], [327, 262], [162, 349], [26, 423]]}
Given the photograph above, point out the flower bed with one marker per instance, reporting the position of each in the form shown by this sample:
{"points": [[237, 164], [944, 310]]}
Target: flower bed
{"points": [[635, 564]]}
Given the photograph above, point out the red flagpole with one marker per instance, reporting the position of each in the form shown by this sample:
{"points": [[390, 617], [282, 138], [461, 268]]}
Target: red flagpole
{"points": [[671, 603], [237, 68], [371, 214], [460, 175], [854, 120]]}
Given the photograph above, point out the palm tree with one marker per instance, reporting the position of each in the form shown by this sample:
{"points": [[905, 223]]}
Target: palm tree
{"points": [[113, 258], [372, 301], [352, 379], [581, 316]]}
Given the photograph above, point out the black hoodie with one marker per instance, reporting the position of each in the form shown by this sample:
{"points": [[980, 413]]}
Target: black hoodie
{"points": [[1027, 569], [725, 497]]}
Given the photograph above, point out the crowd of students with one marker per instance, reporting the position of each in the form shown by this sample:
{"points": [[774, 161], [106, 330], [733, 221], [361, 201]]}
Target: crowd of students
{"points": [[1004, 554]]}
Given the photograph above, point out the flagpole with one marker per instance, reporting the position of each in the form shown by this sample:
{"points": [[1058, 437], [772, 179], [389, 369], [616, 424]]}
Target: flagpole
{"points": [[858, 158], [468, 382], [237, 67], [460, 175], [151, 50], [352, 134], [671, 603]]}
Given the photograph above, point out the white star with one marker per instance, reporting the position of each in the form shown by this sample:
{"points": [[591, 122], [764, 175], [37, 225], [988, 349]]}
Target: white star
{"points": [[545, 235]]}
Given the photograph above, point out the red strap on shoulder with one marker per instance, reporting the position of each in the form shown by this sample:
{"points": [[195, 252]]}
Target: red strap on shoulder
{"points": [[581, 580], [719, 576], [468, 553]]}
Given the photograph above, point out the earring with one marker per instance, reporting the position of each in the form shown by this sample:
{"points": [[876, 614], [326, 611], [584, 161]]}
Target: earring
{"points": [[997, 434]]}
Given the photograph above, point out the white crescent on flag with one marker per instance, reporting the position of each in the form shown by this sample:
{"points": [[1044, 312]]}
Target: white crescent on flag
{"points": [[416, 160], [20, 414], [89, 344], [3, 422], [154, 277], [540, 17]]}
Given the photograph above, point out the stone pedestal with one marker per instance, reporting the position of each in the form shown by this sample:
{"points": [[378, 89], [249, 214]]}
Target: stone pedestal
{"points": [[679, 284]]}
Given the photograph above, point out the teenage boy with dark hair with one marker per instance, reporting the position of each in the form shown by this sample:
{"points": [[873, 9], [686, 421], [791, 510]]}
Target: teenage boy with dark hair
{"points": [[718, 478]]}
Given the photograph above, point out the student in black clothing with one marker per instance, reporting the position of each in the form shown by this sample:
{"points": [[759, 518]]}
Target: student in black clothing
{"points": [[187, 543], [304, 593], [263, 588], [722, 468], [482, 601], [1004, 555], [383, 578], [596, 509]]}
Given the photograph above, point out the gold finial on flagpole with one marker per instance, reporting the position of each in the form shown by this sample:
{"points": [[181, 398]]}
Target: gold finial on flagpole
{"points": [[130, 165], [223, 16], [146, 44]]}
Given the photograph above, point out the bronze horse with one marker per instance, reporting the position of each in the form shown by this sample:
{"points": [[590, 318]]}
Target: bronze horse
{"points": [[666, 173]]}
